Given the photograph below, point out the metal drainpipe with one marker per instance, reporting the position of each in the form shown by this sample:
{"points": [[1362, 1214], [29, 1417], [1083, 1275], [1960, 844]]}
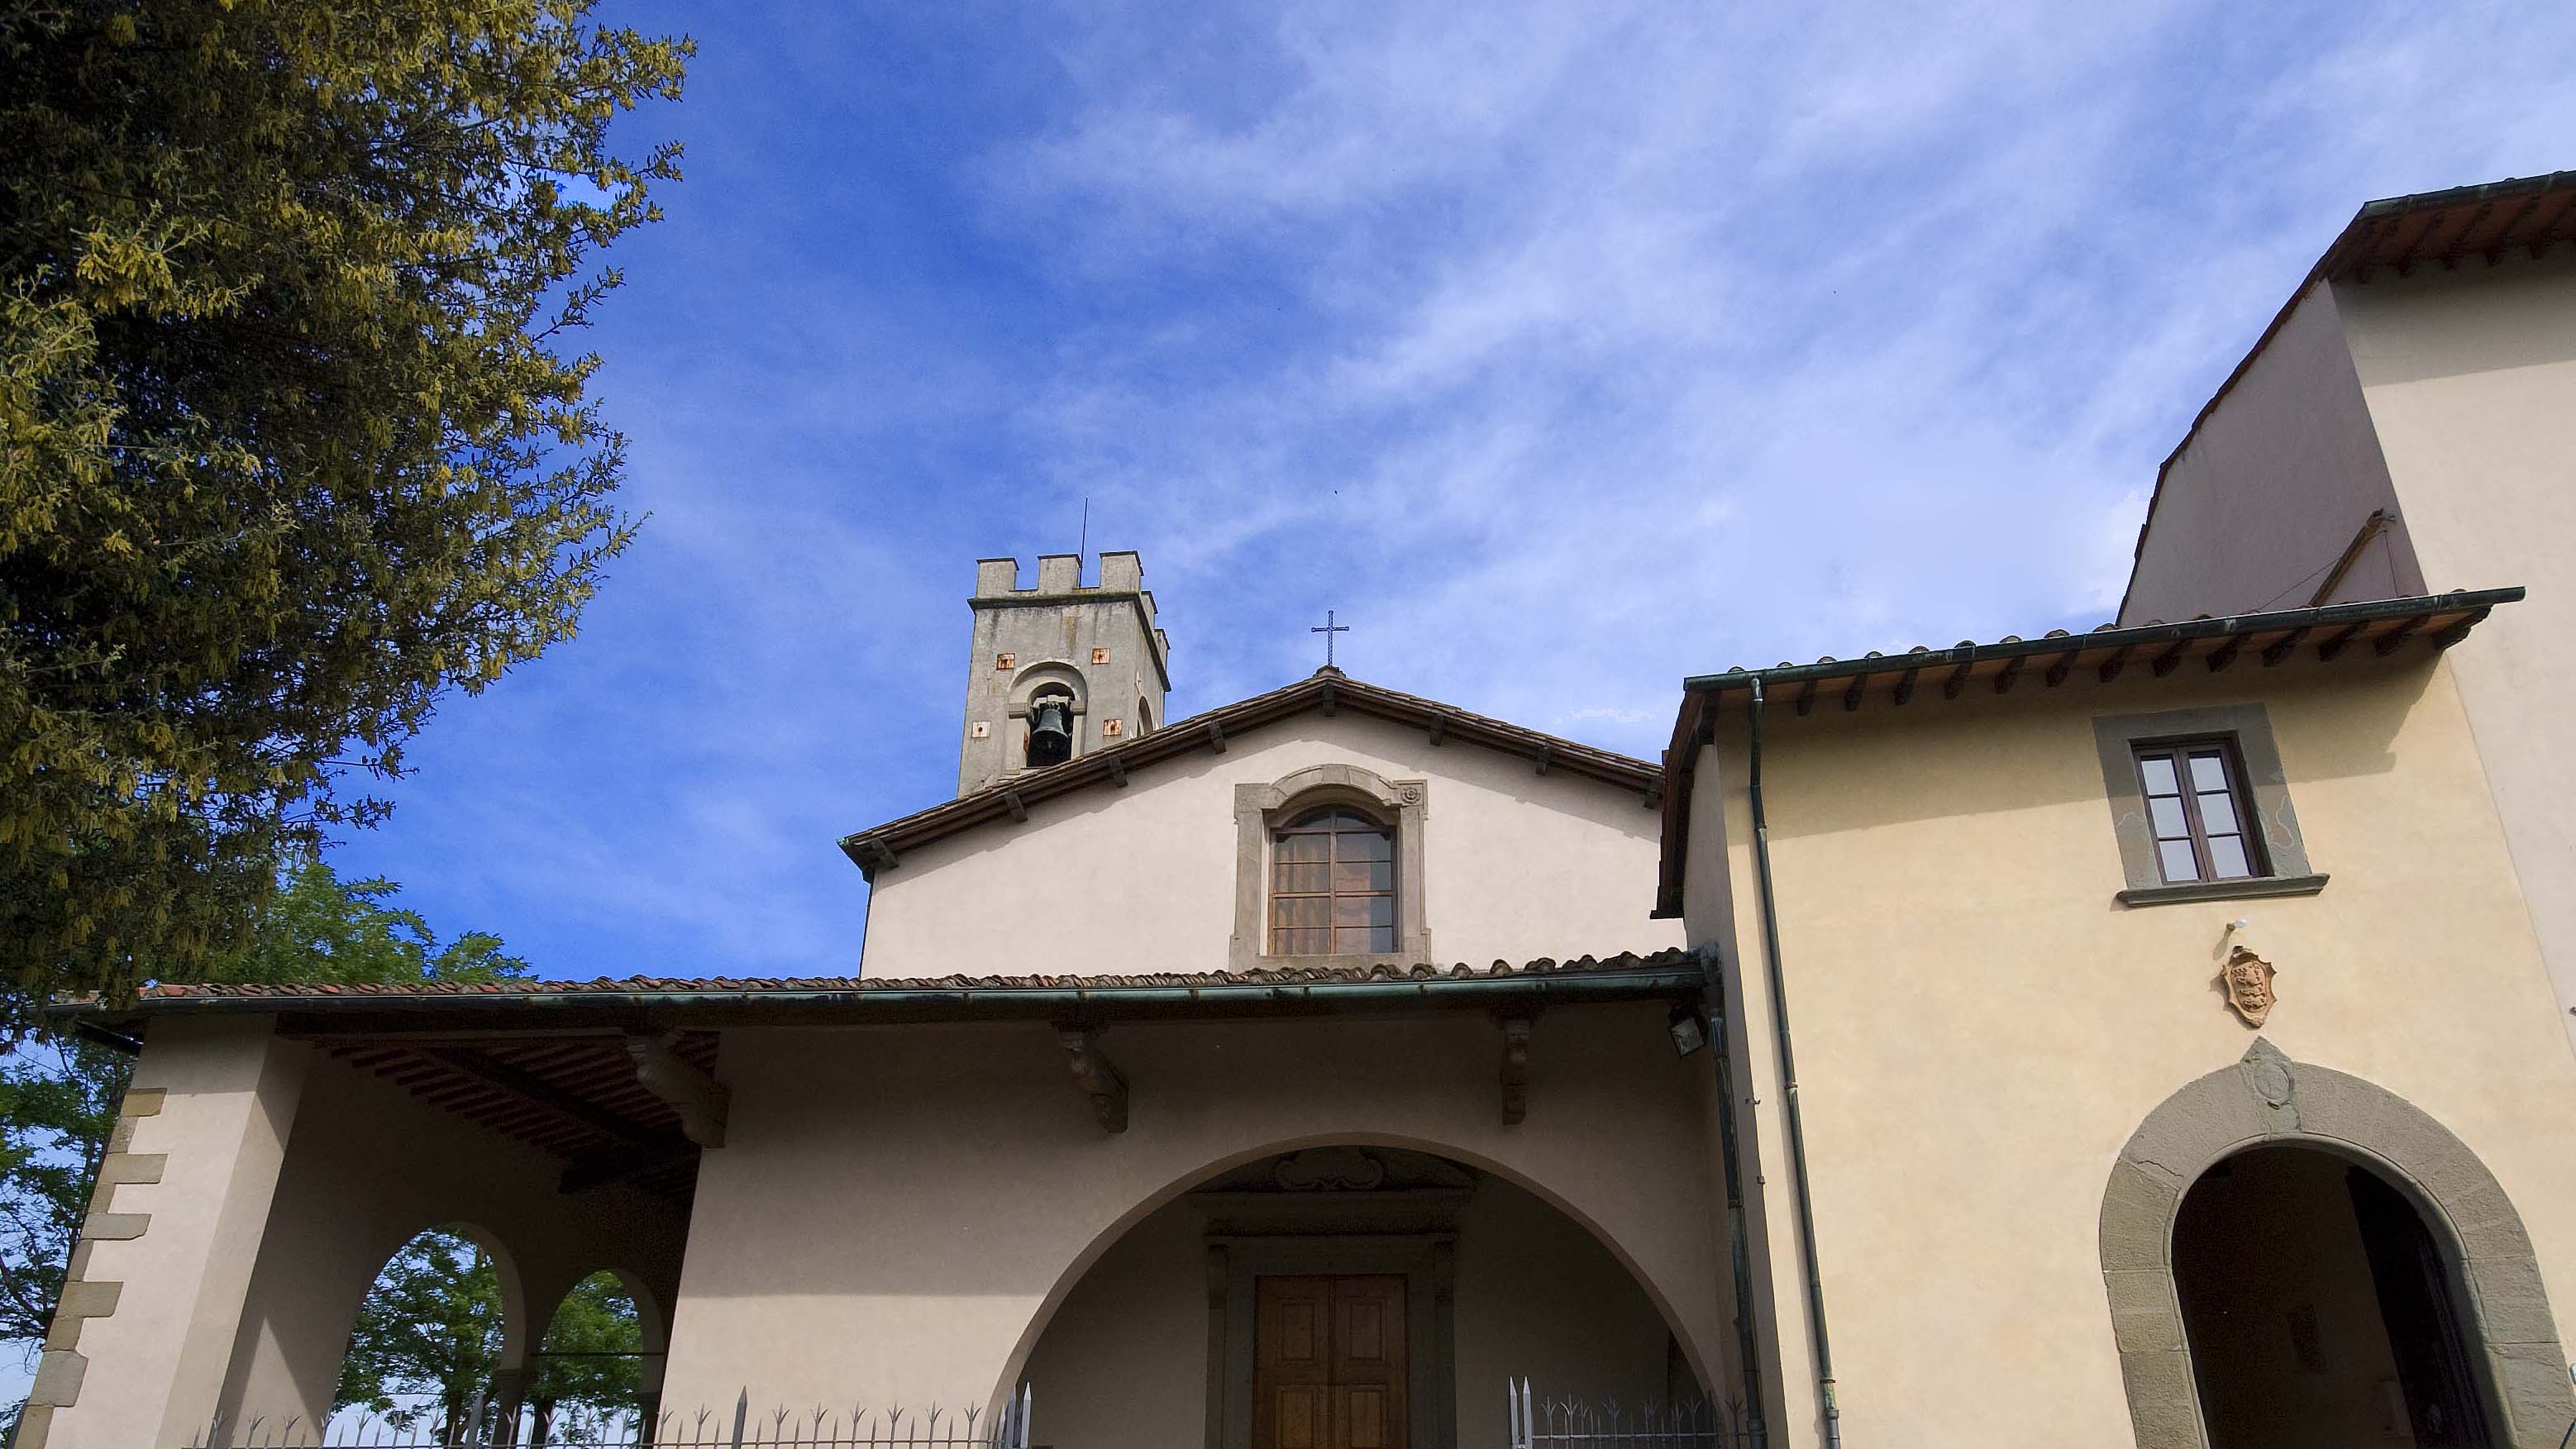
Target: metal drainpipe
{"points": [[1747, 1346], [1789, 1081]]}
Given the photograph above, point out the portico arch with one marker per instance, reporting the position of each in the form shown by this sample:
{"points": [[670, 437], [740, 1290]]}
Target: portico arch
{"points": [[434, 1260], [1214, 1238], [2268, 1099]]}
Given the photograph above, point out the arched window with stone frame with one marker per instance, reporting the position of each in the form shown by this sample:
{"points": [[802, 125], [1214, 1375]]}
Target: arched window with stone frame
{"points": [[1329, 868]]}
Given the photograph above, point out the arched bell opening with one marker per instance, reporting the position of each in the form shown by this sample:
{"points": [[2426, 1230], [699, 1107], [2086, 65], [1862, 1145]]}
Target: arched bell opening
{"points": [[1345, 1294], [2322, 1308], [1047, 703]]}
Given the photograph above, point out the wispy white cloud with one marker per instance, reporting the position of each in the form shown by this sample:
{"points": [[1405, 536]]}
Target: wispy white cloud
{"points": [[1642, 340], [1564, 349]]}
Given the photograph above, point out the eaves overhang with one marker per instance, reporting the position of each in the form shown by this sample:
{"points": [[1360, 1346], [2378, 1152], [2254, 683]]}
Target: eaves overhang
{"points": [[556, 1065], [2374, 629], [657, 1005], [1328, 691], [2448, 227]]}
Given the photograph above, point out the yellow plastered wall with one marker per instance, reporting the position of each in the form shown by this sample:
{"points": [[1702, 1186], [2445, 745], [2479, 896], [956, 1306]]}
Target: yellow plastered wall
{"points": [[1980, 1026], [2470, 378]]}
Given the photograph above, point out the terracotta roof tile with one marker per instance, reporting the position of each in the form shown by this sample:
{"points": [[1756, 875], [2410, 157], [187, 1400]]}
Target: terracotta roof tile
{"points": [[1666, 960]]}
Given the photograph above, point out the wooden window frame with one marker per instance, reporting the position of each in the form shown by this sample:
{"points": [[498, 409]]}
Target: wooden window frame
{"points": [[2248, 831], [1302, 824]]}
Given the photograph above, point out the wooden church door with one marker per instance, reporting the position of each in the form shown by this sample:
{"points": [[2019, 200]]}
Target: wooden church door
{"points": [[1329, 1363]]}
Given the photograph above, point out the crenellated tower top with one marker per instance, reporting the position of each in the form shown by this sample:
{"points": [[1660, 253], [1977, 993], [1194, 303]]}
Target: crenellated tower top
{"points": [[1058, 669]]}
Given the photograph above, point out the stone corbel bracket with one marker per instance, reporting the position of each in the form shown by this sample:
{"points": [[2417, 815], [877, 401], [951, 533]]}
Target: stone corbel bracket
{"points": [[1097, 1076], [701, 1100]]}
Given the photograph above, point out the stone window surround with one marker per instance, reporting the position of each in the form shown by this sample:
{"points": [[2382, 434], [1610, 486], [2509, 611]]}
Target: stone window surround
{"points": [[1261, 809], [2116, 738], [2266, 1099]]}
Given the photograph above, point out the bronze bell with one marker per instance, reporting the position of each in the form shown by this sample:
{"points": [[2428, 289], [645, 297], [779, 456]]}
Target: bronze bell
{"points": [[1050, 732]]}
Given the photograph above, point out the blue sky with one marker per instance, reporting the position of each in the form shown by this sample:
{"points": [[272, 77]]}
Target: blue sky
{"points": [[1564, 350]]}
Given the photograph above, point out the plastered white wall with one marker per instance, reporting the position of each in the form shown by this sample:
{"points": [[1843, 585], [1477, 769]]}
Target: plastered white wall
{"points": [[156, 1365], [368, 1168], [1141, 879], [899, 1211]]}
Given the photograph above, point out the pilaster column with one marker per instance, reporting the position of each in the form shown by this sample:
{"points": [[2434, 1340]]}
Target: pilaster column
{"points": [[509, 1395], [139, 1347]]}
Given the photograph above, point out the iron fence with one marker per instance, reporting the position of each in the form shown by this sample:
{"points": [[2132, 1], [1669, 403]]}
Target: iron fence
{"points": [[1539, 1422], [742, 1427]]}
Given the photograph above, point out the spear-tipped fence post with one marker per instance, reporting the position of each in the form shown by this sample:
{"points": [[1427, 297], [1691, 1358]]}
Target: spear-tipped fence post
{"points": [[741, 1416]]}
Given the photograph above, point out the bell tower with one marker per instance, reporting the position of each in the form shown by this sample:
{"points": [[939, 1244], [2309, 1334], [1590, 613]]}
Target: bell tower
{"points": [[1060, 669]]}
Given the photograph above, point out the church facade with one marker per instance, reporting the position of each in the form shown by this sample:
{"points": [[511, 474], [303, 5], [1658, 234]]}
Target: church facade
{"points": [[2143, 1036]]}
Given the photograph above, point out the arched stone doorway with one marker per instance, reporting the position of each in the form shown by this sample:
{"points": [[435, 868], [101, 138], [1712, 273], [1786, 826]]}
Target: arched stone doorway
{"points": [[2320, 1310], [1274, 1303], [2284, 1134]]}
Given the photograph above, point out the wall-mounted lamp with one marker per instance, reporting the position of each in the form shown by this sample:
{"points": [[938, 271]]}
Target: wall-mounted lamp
{"points": [[1689, 1032]]}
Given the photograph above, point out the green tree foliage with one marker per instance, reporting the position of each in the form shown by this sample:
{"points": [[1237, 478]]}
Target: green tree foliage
{"points": [[58, 1100], [589, 1370], [427, 1338], [59, 1094], [291, 444]]}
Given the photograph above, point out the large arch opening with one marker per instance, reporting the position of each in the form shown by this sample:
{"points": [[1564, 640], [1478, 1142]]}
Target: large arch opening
{"points": [[1344, 1295], [443, 1316], [2320, 1309], [596, 1374]]}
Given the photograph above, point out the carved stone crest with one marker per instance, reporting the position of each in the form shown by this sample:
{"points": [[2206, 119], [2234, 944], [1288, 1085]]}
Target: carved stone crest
{"points": [[1330, 1169], [2248, 978]]}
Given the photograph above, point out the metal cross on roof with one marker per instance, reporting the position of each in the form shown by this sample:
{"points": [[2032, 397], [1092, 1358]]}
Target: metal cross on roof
{"points": [[1328, 629]]}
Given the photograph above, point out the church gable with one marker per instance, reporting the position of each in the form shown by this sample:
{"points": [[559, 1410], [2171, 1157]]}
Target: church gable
{"points": [[1326, 693], [1331, 823]]}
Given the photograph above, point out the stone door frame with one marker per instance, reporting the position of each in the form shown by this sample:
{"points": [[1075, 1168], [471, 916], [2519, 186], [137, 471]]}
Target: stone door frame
{"points": [[1426, 1262], [2266, 1098]]}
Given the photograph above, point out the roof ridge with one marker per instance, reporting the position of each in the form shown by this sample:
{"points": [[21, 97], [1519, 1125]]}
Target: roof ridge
{"points": [[879, 844]]}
